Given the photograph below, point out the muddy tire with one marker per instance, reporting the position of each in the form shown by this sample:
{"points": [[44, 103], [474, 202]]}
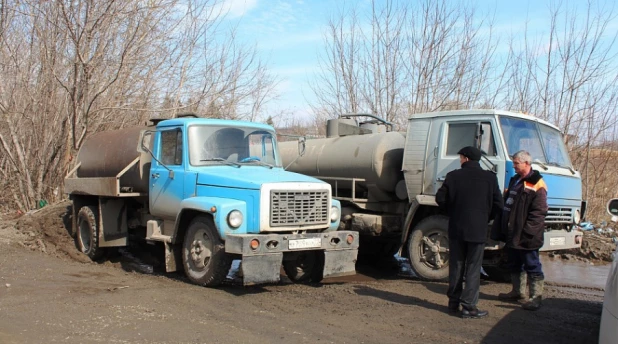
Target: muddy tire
{"points": [[307, 266], [428, 248], [87, 236], [203, 254]]}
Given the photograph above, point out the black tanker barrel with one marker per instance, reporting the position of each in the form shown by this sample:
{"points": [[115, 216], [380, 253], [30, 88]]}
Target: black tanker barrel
{"points": [[106, 153], [377, 158]]}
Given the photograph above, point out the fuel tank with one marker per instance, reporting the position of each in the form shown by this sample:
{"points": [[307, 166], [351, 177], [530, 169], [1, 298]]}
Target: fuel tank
{"points": [[377, 158], [106, 153]]}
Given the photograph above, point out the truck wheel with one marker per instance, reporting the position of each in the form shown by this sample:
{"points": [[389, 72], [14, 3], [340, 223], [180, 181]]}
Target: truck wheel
{"points": [[307, 266], [203, 254], [87, 238], [428, 248]]}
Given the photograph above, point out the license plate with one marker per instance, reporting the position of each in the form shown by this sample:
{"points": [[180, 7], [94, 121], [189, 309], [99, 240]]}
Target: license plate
{"points": [[558, 241], [296, 244]]}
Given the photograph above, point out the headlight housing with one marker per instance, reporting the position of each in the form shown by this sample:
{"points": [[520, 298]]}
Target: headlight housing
{"points": [[576, 217], [234, 218], [334, 214]]}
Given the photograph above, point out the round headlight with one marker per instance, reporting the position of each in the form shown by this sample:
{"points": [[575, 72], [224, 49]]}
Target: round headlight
{"points": [[576, 217], [234, 218], [334, 214]]}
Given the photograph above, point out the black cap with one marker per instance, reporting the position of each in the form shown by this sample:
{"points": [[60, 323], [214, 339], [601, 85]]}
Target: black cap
{"points": [[471, 153]]}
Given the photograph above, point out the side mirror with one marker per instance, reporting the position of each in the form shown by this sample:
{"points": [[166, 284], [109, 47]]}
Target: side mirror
{"points": [[144, 146], [145, 141], [612, 207]]}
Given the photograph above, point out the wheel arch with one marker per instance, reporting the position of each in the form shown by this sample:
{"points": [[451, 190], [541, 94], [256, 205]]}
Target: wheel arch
{"points": [[216, 208], [184, 220], [79, 201], [417, 213]]}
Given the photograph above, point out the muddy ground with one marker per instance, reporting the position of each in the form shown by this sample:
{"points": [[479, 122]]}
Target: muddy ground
{"points": [[51, 293]]}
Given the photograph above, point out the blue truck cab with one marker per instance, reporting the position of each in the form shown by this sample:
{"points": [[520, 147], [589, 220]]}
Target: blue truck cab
{"points": [[217, 192]]}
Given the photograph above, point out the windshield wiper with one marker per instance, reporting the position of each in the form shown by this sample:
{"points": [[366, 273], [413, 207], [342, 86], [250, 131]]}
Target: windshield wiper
{"points": [[551, 163], [254, 159], [540, 163], [563, 166], [261, 163], [227, 162]]}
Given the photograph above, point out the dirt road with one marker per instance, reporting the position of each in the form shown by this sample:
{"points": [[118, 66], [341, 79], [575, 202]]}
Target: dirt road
{"points": [[49, 293], [46, 299]]}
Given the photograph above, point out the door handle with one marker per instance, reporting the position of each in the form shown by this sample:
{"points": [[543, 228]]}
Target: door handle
{"points": [[155, 175], [441, 179]]}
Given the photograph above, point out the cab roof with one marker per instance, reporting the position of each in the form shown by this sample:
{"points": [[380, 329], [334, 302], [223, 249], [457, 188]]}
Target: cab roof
{"points": [[175, 122], [471, 112]]}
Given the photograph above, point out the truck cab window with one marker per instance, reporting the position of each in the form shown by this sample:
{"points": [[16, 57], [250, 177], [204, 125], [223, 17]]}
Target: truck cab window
{"points": [[214, 145], [171, 147], [522, 134], [460, 135], [261, 145], [474, 134]]}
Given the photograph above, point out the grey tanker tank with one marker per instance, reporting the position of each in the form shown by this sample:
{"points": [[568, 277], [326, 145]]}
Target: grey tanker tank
{"points": [[374, 158], [107, 153]]}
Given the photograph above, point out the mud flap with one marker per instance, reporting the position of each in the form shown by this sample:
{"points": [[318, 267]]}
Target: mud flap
{"points": [[173, 257], [340, 263], [264, 268]]}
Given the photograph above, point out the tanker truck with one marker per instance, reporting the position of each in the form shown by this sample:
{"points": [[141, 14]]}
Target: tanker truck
{"points": [[387, 180], [209, 191]]}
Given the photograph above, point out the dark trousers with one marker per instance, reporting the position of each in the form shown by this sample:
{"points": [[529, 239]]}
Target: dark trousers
{"points": [[525, 260], [464, 258]]}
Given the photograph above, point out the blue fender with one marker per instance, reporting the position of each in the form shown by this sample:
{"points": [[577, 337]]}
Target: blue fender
{"points": [[221, 206]]}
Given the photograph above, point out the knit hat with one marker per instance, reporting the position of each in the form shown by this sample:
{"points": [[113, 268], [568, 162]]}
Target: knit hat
{"points": [[471, 153]]}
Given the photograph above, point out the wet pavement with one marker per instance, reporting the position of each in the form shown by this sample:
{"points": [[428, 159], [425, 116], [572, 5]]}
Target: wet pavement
{"points": [[576, 273], [559, 272]]}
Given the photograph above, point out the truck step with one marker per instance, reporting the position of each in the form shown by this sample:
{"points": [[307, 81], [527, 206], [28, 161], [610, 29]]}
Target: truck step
{"points": [[160, 237]]}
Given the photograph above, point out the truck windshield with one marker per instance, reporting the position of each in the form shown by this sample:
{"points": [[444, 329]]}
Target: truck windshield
{"points": [[543, 142], [215, 145]]}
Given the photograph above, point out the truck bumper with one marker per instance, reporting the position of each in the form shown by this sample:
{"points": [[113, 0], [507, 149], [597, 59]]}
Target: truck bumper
{"points": [[262, 264], [562, 240]]}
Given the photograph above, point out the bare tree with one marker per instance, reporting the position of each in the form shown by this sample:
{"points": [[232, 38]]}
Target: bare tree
{"points": [[568, 76], [337, 87], [410, 57], [72, 68]]}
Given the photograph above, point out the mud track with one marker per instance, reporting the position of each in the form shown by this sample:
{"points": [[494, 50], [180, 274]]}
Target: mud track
{"points": [[48, 293]]}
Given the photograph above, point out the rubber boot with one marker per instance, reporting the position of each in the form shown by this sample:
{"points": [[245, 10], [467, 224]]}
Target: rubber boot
{"points": [[518, 293], [536, 295]]}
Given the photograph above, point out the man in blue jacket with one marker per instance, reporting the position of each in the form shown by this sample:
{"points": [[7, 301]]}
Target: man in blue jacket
{"points": [[521, 226], [470, 196]]}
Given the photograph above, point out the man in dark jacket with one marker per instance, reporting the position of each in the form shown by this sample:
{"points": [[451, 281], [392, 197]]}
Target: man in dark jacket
{"points": [[470, 196], [521, 225]]}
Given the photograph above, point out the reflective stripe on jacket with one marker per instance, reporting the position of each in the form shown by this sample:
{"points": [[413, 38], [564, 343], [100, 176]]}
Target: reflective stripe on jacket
{"points": [[526, 223]]}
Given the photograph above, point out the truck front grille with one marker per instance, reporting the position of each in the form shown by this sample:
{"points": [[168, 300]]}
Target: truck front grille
{"points": [[558, 215], [297, 208]]}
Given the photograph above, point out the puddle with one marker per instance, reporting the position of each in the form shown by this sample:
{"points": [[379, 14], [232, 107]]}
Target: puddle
{"points": [[557, 271], [575, 273]]}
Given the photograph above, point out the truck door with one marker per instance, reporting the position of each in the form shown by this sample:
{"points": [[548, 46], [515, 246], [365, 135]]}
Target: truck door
{"points": [[167, 174], [458, 134]]}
